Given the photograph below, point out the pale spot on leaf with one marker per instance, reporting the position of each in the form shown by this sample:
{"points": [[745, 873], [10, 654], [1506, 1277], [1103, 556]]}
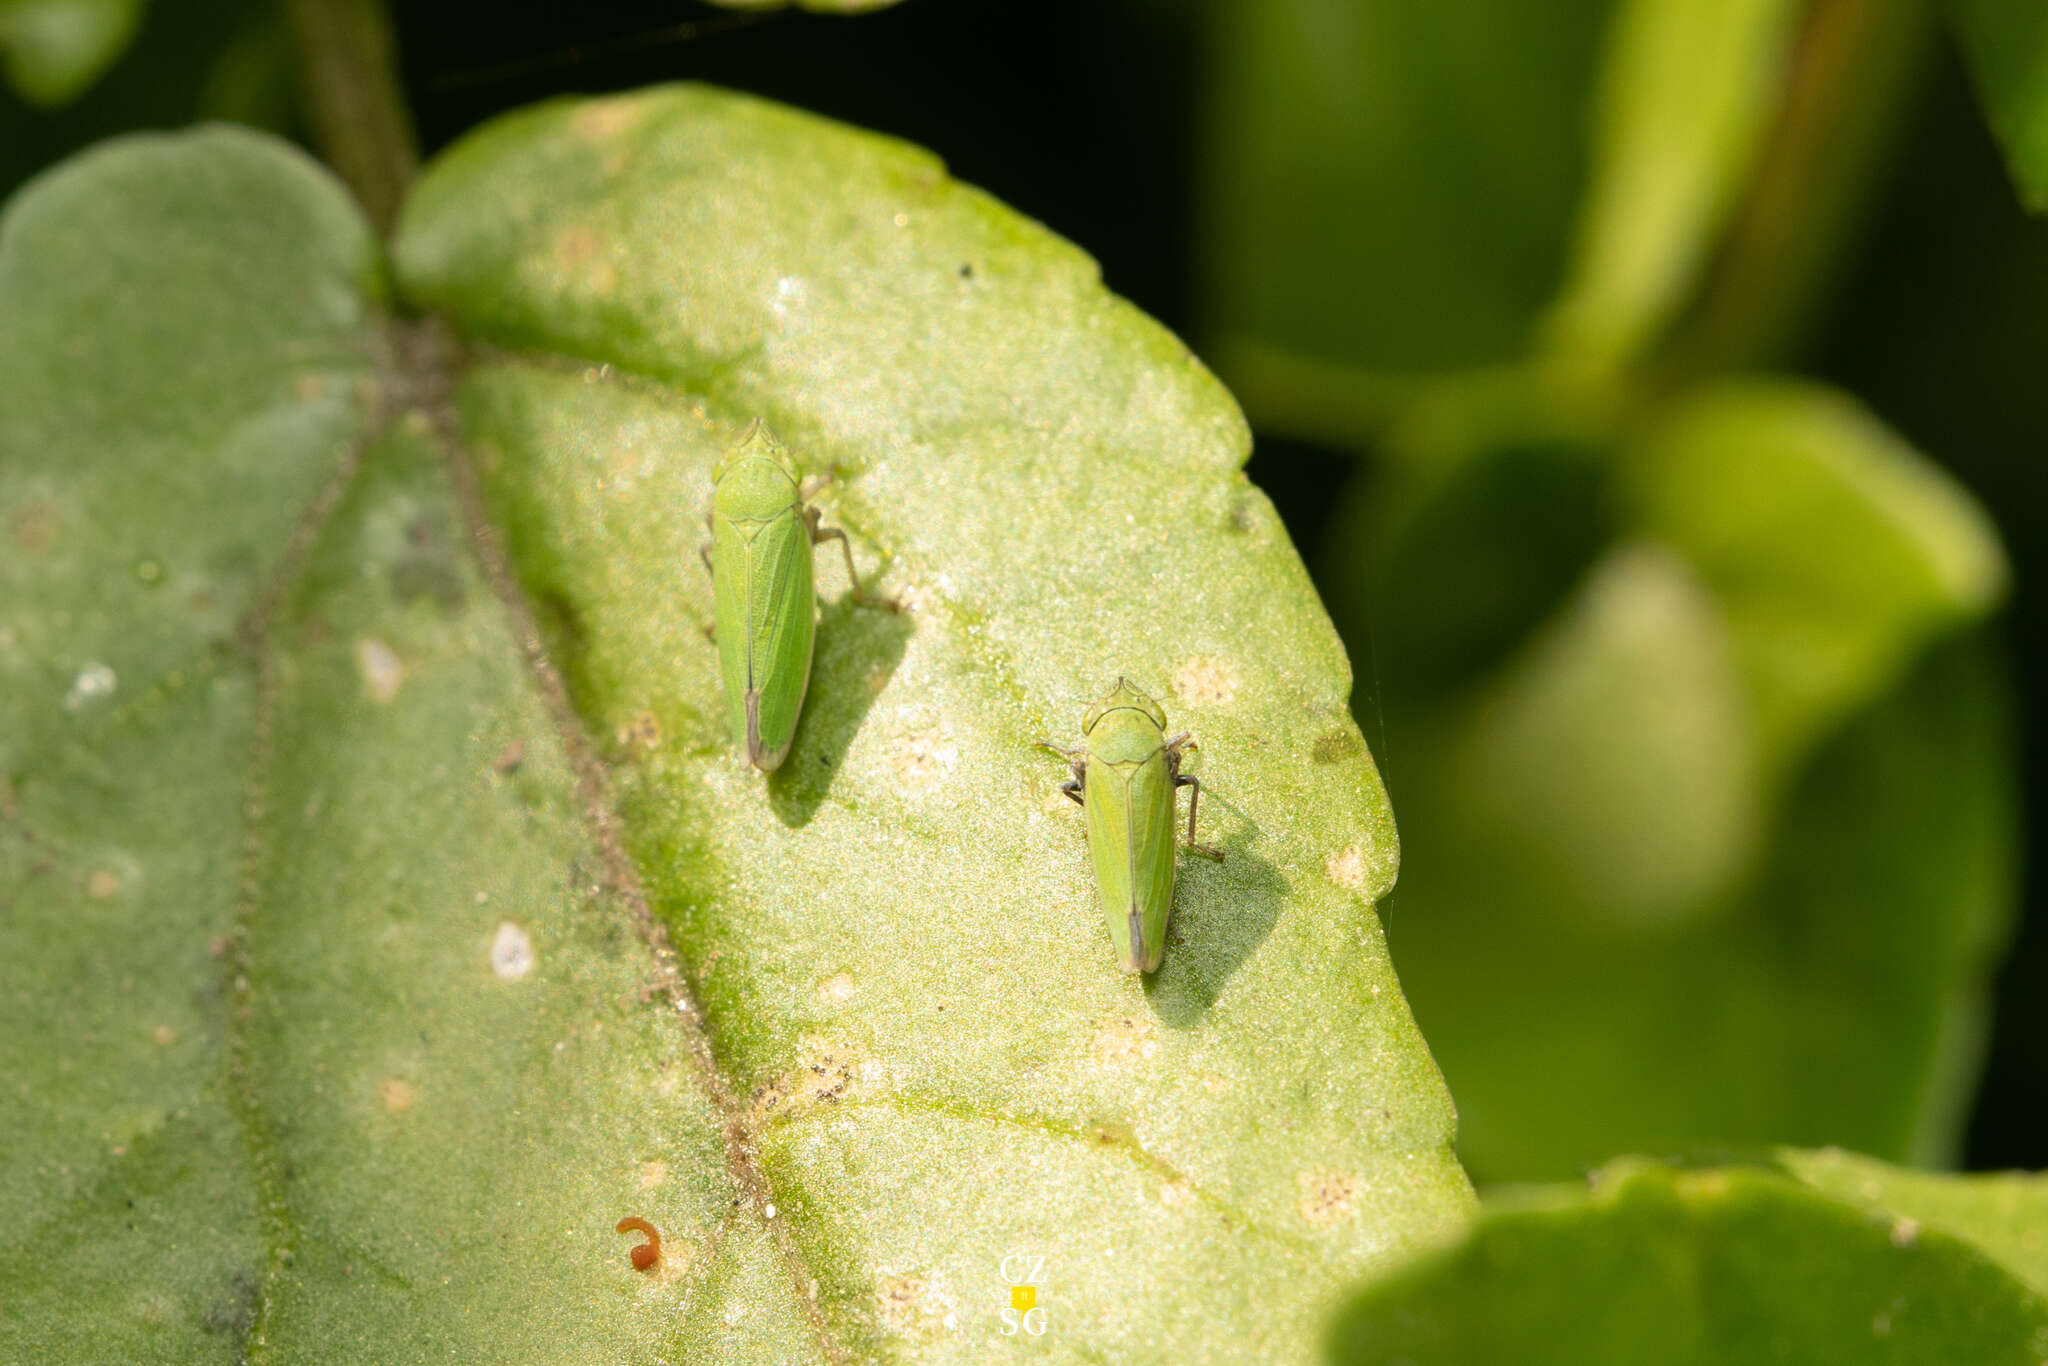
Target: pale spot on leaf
{"points": [[1346, 867], [837, 987], [102, 884], [1124, 1041], [580, 255], [641, 735], [94, 681], [511, 952], [912, 1305], [397, 1094], [603, 120], [1205, 681], [382, 673], [1327, 1198], [924, 760], [822, 1074]]}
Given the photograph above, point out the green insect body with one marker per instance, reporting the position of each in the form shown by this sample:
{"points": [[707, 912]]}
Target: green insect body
{"points": [[1126, 777], [762, 581]]}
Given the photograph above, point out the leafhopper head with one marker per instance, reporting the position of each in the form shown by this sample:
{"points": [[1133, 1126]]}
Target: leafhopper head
{"points": [[1124, 694], [755, 479]]}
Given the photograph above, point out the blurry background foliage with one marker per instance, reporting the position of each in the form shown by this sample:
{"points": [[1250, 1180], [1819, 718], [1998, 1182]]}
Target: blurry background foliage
{"points": [[1653, 386]]}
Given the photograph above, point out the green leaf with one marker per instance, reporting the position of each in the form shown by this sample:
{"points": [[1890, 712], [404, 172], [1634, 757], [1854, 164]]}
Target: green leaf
{"points": [[1708, 821], [1687, 92], [1836, 581], [1389, 192], [2006, 44], [51, 50], [849, 1036], [2004, 1213], [1740, 1265]]}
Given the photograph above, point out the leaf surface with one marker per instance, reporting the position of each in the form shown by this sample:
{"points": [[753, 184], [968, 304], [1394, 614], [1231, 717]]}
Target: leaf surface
{"points": [[895, 939], [439, 926], [1715, 1267]]}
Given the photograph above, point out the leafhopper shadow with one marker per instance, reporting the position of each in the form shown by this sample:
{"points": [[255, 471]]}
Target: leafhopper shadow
{"points": [[1223, 910], [857, 653]]}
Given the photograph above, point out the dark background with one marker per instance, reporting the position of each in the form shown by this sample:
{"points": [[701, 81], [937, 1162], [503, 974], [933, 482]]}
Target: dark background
{"points": [[1086, 116]]}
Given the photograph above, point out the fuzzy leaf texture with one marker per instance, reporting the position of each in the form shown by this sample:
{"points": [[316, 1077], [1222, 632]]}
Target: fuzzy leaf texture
{"points": [[388, 914], [1806, 1257]]}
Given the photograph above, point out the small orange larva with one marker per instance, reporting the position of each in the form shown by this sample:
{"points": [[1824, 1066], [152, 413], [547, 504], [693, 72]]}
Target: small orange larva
{"points": [[644, 1254]]}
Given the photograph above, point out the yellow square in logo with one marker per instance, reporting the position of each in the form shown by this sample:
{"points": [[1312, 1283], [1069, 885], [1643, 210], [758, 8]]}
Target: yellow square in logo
{"points": [[1023, 1296]]}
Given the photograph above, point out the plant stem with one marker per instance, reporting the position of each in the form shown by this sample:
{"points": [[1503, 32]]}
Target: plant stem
{"points": [[348, 76]]}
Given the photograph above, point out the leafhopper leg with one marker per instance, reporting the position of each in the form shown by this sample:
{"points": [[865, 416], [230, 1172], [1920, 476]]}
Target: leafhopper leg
{"points": [[832, 533], [1177, 746], [1075, 786]]}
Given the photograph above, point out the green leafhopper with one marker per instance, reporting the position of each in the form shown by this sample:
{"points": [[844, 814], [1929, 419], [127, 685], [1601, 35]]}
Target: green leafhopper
{"points": [[762, 531], [1126, 775]]}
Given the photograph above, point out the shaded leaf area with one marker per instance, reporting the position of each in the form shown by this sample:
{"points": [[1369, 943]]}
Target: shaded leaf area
{"points": [[462, 1071], [894, 939], [1708, 800], [319, 1034], [2005, 1214], [2006, 44], [1729, 1265], [181, 380], [51, 50]]}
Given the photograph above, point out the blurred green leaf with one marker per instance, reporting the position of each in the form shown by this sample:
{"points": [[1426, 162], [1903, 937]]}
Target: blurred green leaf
{"points": [[1835, 550], [250, 79], [190, 60], [289, 1106], [1715, 844], [330, 1103], [1852, 80], [2006, 42], [2004, 1213], [1389, 192], [1738, 1266], [1688, 89], [51, 50]]}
